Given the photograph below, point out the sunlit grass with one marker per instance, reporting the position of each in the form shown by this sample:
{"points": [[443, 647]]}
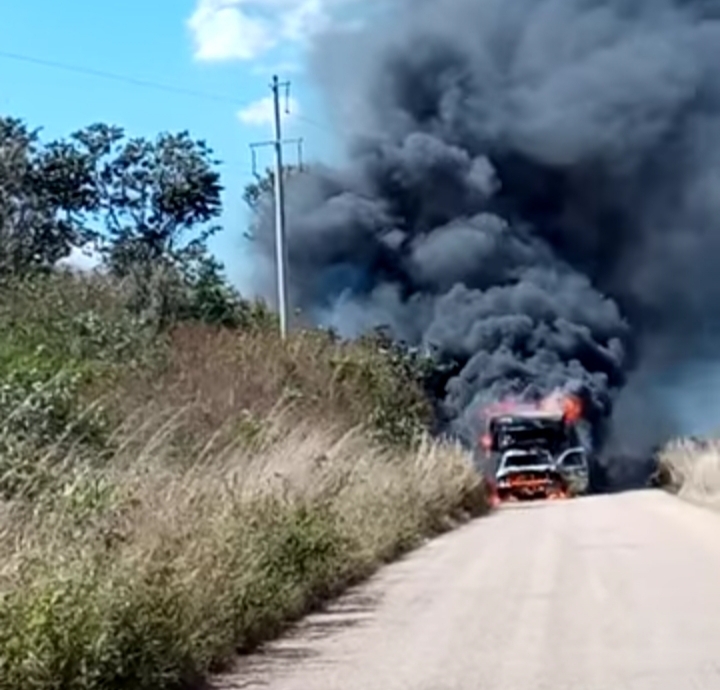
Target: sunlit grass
{"points": [[147, 574]]}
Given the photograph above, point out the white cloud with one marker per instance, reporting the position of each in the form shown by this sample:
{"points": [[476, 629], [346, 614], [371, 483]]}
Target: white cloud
{"points": [[222, 31], [305, 19], [246, 29], [260, 113]]}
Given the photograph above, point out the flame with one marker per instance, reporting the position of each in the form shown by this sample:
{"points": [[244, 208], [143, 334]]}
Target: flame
{"points": [[570, 406], [519, 486]]}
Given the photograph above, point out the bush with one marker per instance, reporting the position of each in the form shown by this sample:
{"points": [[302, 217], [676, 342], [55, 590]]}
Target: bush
{"points": [[168, 497], [242, 375], [156, 574], [691, 468], [69, 340], [62, 339]]}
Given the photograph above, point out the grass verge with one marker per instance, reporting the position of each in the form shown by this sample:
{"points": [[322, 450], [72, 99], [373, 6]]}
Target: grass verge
{"points": [[690, 468], [169, 498], [147, 575]]}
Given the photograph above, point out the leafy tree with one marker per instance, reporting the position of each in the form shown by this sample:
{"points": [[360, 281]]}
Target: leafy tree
{"points": [[155, 202], [155, 198], [149, 204], [211, 299], [256, 192], [44, 195]]}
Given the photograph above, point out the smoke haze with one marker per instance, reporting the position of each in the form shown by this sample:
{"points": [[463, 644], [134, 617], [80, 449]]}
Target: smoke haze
{"points": [[532, 191]]}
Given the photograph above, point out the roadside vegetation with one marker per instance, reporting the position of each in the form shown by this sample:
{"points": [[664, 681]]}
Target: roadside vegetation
{"points": [[690, 468], [176, 483]]}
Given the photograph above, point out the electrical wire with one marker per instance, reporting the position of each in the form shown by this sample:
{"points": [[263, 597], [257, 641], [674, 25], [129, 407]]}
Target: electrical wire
{"points": [[144, 83], [148, 84], [314, 123]]}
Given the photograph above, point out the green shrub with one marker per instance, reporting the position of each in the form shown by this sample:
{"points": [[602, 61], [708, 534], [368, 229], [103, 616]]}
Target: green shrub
{"points": [[169, 497], [145, 576]]}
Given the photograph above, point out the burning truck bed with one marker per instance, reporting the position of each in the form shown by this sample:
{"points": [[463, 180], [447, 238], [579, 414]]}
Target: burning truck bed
{"points": [[534, 451]]}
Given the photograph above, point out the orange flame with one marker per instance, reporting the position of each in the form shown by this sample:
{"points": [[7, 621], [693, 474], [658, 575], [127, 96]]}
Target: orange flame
{"points": [[572, 409], [570, 406]]}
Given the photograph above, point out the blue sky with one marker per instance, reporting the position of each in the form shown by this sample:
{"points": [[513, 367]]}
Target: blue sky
{"points": [[227, 48]]}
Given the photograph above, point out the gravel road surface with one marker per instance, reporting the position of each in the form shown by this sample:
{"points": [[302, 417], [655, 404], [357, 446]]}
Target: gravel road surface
{"points": [[614, 592]]}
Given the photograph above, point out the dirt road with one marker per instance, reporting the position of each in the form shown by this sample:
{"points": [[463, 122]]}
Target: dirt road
{"points": [[598, 593]]}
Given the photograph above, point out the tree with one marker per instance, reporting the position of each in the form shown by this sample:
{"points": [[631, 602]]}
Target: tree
{"points": [[155, 202], [155, 198], [256, 192], [150, 205], [44, 195], [211, 299]]}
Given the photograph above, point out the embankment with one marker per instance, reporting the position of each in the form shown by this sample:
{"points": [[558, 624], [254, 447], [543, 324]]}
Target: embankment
{"points": [[169, 498]]}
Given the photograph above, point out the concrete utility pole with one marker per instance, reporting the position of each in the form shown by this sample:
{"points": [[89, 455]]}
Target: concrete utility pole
{"points": [[281, 259], [280, 248]]}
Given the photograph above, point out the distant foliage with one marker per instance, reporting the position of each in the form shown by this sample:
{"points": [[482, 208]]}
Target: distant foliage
{"points": [[261, 190], [155, 198], [45, 193], [149, 207]]}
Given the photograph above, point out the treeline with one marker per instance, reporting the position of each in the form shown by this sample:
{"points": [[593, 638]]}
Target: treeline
{"points": [[147, 207]]}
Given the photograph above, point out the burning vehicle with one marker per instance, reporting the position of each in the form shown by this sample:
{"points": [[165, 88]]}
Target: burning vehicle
{"points": [[535, 451]]}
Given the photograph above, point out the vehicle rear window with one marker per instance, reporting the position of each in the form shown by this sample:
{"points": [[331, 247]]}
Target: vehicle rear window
{"points": [[525, 460]]}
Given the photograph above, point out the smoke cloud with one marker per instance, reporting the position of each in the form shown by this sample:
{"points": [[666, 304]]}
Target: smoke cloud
{"points": [[532, 191]]}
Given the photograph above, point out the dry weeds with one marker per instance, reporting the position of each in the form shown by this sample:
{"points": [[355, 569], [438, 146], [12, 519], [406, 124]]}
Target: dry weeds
{"points": [[691, 468], [147, 573], [247, 480], [224, 375]]}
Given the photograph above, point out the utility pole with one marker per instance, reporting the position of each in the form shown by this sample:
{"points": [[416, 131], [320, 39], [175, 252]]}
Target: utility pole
{"points": [[280, 249], [281, 258]]}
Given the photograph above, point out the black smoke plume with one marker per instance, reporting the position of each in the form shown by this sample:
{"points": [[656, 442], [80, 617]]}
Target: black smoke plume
{"points": [[532, 191]]}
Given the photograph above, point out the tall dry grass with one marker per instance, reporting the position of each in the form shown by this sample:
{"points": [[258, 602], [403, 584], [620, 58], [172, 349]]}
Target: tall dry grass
{"points": [[226, 375], [147, 573], [691, 468], [169, 497]]}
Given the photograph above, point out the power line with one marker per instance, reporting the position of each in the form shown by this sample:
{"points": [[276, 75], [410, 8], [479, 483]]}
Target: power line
{"points": [[315, 123], [144, 83], [166, 88]]}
